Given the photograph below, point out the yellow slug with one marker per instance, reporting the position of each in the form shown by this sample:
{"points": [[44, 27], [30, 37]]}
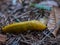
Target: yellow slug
{"points": [[24, 26]]}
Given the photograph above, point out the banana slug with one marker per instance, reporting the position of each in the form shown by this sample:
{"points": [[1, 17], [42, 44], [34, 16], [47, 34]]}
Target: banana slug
{"points": [[24, 26]]}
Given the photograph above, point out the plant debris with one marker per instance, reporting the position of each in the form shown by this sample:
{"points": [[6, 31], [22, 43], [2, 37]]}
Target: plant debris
{"points": [[11, 12]]}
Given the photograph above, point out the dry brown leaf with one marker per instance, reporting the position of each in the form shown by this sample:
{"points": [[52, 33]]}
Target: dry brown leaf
{"points": [[53, 20], [3, 38]]}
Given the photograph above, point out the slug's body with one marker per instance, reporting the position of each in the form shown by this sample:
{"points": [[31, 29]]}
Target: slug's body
{"points": [[24, 26]]}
